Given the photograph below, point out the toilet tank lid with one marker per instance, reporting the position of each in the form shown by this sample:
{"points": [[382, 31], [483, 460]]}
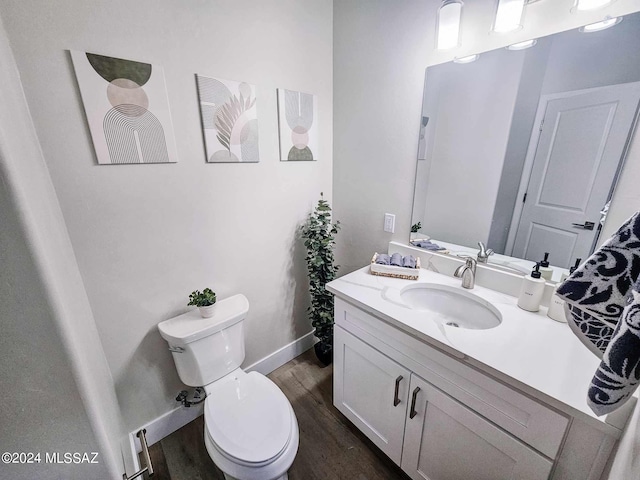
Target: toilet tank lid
{"points": [[190, 326]]}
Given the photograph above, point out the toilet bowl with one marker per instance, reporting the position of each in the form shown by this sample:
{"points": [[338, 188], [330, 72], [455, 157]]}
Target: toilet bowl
{"points": [[251, 431]]}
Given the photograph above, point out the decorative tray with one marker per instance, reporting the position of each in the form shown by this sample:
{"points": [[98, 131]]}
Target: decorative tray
{"points": [[393, 271]]}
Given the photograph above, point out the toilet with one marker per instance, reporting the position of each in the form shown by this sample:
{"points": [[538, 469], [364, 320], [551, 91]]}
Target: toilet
{"points": [[251, 431]]}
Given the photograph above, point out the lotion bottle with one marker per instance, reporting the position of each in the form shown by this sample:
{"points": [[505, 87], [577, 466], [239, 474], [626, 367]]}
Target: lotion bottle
{"points": [[556, 307], [571, 270], [545, 270], [532, 290]]}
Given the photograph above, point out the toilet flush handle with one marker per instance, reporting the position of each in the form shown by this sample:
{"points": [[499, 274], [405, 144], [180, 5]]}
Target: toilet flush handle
{"points": [[176, 349]]}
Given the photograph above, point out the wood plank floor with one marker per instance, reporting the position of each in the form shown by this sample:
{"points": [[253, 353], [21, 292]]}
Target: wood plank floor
{"points": [[330, 446]]}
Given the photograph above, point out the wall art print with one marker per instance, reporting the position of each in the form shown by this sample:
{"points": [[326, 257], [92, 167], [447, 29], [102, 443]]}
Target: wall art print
{"points": [[298, 121], [127, 109], [229, 120]]}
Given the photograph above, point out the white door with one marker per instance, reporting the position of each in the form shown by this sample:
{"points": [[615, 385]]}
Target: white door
{"points": [[573, 159], [445, 440], [371, 390]]}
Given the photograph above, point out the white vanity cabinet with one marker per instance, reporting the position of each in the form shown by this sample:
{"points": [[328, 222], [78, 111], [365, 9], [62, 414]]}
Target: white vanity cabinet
{"points": [[445, 440], [418, 426], [440, 419], [371, 390]]}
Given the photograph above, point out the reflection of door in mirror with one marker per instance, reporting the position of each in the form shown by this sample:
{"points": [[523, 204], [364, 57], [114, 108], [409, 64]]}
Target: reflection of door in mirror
{"points": [[575, 151], [482, 148]]}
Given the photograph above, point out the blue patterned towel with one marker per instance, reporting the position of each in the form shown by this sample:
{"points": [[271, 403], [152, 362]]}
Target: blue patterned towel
{"points": [[618, 375], [597, 295]]}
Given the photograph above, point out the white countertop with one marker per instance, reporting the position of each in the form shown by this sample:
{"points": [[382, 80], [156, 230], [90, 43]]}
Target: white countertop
{"points": [[530, 348]]}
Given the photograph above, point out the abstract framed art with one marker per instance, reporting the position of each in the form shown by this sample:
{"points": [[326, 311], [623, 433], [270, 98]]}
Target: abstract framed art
{"points": [[298, 123], [127, 109], [229, 120]]}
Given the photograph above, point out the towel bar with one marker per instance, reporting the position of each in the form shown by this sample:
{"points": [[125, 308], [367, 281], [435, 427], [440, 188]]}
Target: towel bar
{"points": [[147, 458]]}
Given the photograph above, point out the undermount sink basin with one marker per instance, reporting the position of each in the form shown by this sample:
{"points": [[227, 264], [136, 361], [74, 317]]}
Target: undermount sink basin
{"points": [[451, 306]]}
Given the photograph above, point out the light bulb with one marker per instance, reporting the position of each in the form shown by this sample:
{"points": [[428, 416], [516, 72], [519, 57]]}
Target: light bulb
{"points": [[523, 45], [603, 25], [467, 59], [509, 16], [449, 17], [582, 5]]}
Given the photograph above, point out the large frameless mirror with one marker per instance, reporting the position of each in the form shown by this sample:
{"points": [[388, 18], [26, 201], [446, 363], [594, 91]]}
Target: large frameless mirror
{"points": [[521, 149]]}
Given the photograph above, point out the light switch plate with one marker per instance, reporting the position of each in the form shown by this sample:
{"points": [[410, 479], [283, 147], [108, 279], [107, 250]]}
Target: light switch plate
{"points": [[389, 222]]}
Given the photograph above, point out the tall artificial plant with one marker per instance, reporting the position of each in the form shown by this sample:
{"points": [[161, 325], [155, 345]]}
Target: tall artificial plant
{"points": [[319, 233]]}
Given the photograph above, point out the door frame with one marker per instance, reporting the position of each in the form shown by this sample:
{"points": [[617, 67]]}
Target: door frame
{"points": [[532, 149]]}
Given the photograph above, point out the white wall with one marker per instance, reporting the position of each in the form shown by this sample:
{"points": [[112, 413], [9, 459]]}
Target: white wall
{"points": [[42, 408], [57, 392], [524, 113], [145, 236], [381, 49], [470, 115]]}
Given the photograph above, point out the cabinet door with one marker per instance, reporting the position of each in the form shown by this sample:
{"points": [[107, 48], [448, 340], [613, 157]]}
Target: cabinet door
{"points": [[371, 390], [447, 441]]}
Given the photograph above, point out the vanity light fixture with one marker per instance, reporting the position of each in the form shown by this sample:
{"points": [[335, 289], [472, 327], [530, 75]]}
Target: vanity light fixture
{"points": [[603, 25], [523, 45], [582, 5], [509, 16], [449, 20], [467, 59]]}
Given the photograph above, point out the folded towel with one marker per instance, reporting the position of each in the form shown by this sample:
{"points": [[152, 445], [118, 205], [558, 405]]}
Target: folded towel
{"points": [[600, 289], [409, 261], [396, 260], [383, 259], [618, 375], [603, 310], [427, 245]]}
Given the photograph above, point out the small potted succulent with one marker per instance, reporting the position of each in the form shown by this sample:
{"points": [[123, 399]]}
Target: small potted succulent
{"points": [[205, 301], [414, 230]]}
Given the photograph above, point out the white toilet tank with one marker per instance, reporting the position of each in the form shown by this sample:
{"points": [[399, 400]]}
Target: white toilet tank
{"points": [[206, 349]]}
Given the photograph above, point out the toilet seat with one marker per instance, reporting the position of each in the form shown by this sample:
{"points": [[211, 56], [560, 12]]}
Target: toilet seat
{"points": [[248, 420]]}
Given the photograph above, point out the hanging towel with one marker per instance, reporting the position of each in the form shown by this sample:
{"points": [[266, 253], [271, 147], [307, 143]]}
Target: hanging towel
{"points": [[600, 289], [597, 295], [396, 260], [618, 375], [382, 259]]}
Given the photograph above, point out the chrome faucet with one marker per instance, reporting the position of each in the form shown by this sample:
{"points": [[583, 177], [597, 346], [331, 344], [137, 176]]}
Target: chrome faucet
{"points": [[467, 272], [483, 254]]}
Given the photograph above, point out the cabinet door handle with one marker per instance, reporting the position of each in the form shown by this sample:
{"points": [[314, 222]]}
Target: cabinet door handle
{"points": [[413, 412], [396, 400]]}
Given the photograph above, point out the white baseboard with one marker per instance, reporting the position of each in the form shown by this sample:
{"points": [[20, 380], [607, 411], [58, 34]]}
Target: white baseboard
{"points": [[166, 424], [278, 358], [177, 418]]}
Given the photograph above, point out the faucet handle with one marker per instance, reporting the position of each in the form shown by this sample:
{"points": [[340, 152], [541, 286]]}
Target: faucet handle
{"points": [[484, 253], [469, 261]]}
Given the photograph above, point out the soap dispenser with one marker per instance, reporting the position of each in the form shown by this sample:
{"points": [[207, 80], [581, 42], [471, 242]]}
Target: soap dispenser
{"points": [[564, 276], [545, 270], [532, 290]]}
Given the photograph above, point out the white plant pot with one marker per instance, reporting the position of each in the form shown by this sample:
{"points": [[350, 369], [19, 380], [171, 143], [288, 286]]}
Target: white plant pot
{"points": [[208, 311]]}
